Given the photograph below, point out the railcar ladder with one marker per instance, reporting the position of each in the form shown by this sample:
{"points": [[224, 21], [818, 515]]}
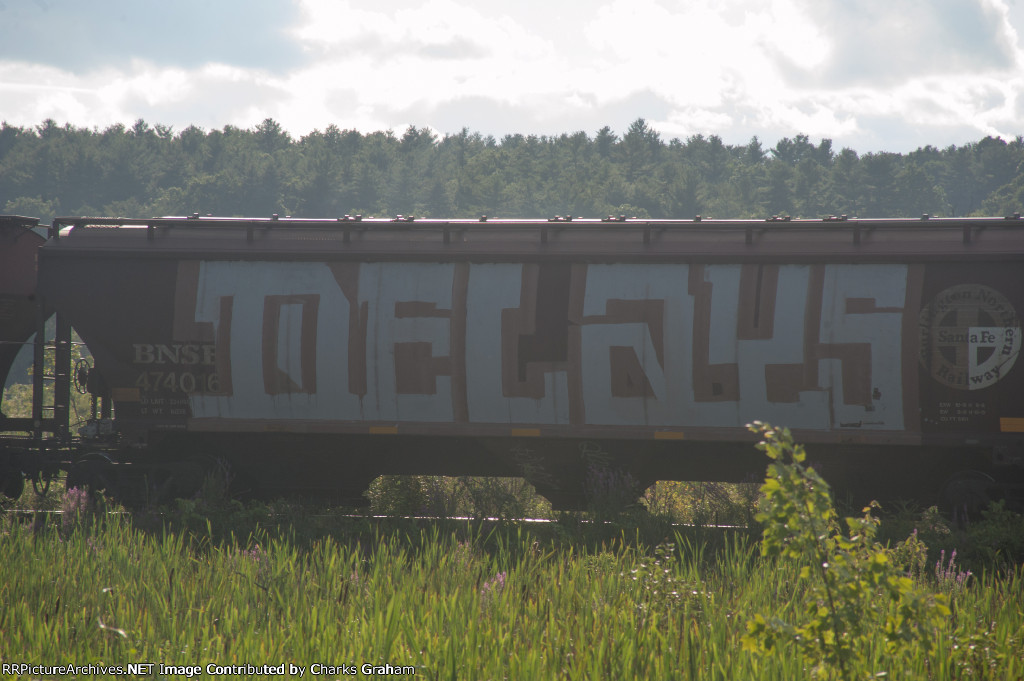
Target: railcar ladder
{"points": [[60, 408]]}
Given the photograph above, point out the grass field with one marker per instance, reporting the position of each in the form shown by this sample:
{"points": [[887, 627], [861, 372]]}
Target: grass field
{"points": [[453, 602], [633, 598]]}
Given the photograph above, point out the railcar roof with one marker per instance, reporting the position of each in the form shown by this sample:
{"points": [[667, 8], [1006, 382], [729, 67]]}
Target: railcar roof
{"points": [[611, 239]]}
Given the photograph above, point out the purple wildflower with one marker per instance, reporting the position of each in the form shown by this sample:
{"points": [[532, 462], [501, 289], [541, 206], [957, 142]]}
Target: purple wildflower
{"points": [[950, 578], [492, 588], [73, 505]]}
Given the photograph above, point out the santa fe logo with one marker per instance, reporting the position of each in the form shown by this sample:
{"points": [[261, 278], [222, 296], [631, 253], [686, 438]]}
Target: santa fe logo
{"points": [[970, 337]]}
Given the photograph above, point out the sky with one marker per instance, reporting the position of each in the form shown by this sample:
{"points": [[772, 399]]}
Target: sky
{"points": [[872, 75]]}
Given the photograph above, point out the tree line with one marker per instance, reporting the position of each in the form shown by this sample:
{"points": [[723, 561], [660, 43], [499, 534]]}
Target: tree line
{"points": [[144, 170]]}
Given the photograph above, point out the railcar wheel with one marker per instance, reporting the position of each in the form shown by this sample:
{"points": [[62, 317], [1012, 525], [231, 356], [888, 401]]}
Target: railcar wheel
{"points": [[967, 493], [13, 483], [212, 478], [95, 472], [192, 477]]}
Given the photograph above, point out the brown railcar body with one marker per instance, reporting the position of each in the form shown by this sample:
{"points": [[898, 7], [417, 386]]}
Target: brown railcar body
{"points": [[18, 245], [315, 355]]}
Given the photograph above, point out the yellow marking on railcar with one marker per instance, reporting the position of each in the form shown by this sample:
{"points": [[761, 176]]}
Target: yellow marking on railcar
{"points": [[125, 394], [1011, 425], [525, 432], [383, 430], [668, 435]]}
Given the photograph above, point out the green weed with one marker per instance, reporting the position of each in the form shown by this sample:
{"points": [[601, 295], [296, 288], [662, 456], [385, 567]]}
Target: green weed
{"points": [[851, 585], [857, 610]]}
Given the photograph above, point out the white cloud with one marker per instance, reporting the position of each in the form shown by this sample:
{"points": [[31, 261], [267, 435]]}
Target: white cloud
{"points": [[879, 43], [870, 74]]}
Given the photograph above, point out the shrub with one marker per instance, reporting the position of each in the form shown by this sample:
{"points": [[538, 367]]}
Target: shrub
{"points": [[998, 539], [851, 584]]}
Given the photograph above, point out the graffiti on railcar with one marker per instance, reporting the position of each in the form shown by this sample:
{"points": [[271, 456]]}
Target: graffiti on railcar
{"points": [[814, 346]]}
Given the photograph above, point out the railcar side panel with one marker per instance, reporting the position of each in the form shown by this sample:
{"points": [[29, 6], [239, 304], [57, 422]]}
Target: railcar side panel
{"points": [[881, 350], [889, 346]]}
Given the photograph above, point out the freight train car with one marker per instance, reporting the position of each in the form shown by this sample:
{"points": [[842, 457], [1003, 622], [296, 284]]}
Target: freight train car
{"points": [[315, 355]]}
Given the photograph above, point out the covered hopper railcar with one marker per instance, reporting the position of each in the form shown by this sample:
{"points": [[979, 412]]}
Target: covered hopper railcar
{"points": [[314, 355]]}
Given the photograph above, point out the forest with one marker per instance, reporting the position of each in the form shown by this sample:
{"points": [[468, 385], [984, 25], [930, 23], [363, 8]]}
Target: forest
{"points": [[144, 171]]}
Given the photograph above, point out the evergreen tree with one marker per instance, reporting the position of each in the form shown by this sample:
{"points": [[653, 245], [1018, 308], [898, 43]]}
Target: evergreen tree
{"points": [[149, 169]]}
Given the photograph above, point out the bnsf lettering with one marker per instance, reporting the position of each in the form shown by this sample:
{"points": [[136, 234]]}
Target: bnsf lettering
{"points": [[187, 354]]}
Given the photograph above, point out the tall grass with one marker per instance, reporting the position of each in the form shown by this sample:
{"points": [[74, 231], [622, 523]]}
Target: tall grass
{"points": [[215, 581], [470, 603]]}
